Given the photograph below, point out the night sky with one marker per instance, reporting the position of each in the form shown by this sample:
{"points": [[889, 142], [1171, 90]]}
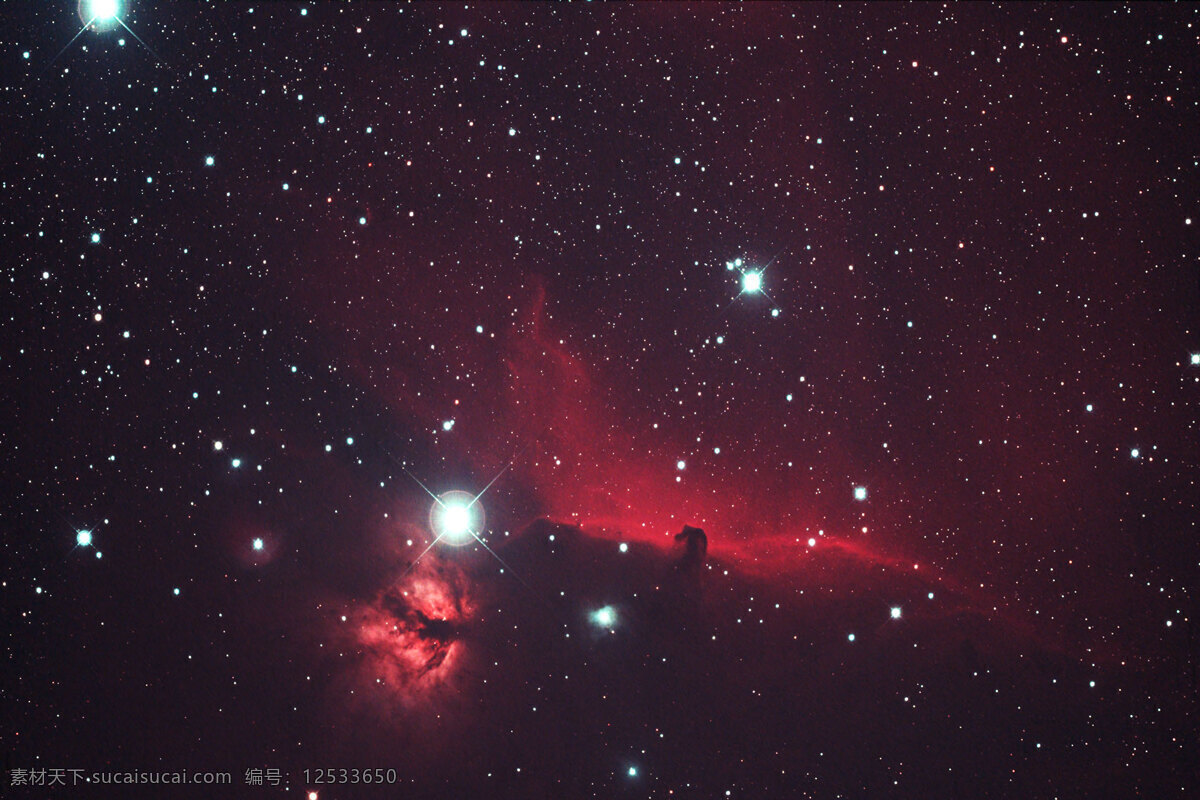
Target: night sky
{"points": [[897, 303]]}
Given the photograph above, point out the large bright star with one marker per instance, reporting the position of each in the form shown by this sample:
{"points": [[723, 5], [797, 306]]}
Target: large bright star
{"points": [[456, 518], [102, 16], [103, 10], [752, 280]]}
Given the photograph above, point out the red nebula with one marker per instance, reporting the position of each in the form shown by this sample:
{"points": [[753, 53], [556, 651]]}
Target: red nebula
{"points": [[410, 636]]}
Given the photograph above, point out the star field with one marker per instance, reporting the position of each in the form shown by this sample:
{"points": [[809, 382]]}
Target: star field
{"points": [[648, 400]]}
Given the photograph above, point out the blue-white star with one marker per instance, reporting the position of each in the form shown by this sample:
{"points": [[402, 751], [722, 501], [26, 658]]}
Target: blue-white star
{"points": [[605, 617]]}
